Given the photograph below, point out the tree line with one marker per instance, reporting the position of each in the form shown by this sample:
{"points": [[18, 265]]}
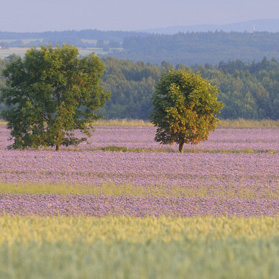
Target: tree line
{"points": [[248, 90]]}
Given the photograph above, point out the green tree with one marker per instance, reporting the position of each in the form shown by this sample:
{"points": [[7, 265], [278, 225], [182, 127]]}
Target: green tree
{"points": [[51, 93], [185, 108]]}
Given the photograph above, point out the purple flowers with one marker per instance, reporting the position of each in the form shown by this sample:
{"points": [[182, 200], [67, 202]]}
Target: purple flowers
{"points": [[31, 204], [195, 183]]}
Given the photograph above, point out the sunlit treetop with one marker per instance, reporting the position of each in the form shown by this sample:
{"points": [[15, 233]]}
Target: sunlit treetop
{"points": [[185, 108]]}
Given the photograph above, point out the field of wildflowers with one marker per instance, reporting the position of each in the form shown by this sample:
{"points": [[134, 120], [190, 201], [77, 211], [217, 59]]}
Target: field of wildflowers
{"points": [[95, 211]]}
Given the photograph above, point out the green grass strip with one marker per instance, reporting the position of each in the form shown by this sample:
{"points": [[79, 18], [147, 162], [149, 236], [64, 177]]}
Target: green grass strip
{"points": [[113, 148]]}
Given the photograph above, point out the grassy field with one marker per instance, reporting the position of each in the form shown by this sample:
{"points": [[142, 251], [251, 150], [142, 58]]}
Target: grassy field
{"points": [[218, 259], [203, 248]]}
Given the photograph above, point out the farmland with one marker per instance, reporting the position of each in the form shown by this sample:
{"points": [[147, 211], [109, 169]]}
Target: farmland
{"points": [[124, 206], [20, 51]]}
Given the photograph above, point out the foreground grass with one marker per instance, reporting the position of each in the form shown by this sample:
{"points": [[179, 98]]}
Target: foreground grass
{"points": [[219, 259], [203, 248]]}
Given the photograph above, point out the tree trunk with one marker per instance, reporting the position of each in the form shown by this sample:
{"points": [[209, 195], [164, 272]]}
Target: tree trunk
{"points": [[181, 145], [58, 141]]}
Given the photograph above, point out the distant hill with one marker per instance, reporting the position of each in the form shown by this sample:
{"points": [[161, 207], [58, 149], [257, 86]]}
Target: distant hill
{"points": [[188, 48], [83, 38], [201, 47], [260, 25], [83, 34]]}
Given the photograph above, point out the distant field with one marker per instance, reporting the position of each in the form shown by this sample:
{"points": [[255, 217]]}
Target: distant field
{"points": [[24, 41], [14, 50], [89, 41], [21, 51], [87, 51]]}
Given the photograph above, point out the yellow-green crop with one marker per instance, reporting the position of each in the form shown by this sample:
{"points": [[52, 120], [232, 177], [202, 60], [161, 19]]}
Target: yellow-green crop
{"points": [[22, 229]]}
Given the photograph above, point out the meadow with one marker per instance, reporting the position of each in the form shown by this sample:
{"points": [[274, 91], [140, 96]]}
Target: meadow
{"points": [[124, 206]]}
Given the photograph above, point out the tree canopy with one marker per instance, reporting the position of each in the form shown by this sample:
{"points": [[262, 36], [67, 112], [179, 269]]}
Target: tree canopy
{"points": [[185, 108], [50, 94]]}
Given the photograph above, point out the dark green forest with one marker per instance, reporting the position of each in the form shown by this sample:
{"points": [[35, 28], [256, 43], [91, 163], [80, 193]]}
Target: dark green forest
{"points": [[248, 90], [3, 64], [201, 48]]}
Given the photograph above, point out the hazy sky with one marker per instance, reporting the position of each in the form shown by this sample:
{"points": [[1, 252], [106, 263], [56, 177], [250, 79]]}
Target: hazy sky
{"points": [[55, 15]]}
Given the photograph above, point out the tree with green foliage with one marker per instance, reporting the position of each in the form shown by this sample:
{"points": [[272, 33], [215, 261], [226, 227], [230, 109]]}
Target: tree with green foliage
{"points": [[185, 108], [50, 94]]}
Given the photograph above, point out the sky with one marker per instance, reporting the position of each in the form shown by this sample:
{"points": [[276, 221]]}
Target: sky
{"points": [[128, 15]]}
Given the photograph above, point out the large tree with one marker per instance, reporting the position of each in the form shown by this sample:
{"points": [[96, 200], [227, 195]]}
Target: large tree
{"points": [[185, 108], [50, 94]]}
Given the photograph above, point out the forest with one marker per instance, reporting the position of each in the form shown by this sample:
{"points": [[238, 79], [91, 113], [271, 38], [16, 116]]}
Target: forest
{"points": [[200, 47], [248, 90]]}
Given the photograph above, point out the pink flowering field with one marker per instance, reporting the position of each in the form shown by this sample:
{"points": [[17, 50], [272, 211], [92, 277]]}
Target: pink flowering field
{"points": [[234, 173]]}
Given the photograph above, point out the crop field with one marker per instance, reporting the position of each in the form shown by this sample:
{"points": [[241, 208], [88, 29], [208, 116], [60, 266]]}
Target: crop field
{"points": [[5, 52], [20, 51], [124, 206]]}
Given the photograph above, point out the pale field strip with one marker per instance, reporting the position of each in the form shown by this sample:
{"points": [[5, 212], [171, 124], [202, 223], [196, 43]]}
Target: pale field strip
{"points": [[20, 51]]}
